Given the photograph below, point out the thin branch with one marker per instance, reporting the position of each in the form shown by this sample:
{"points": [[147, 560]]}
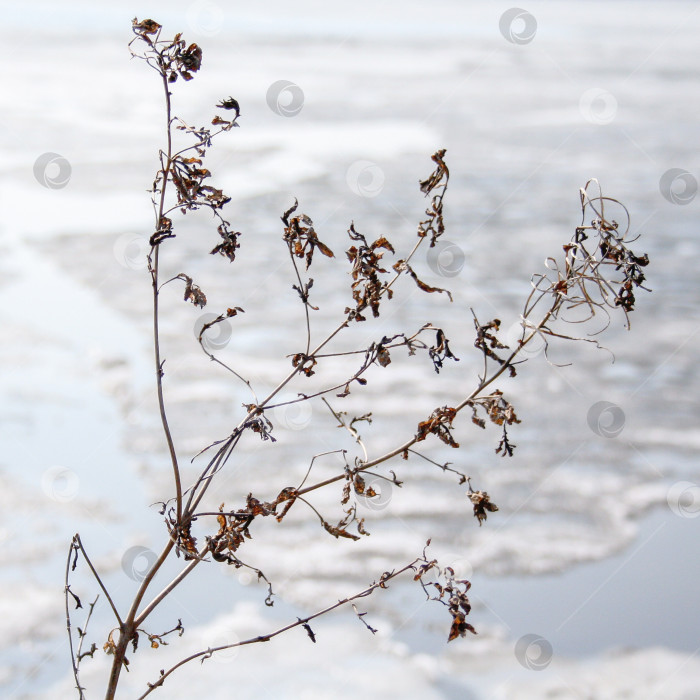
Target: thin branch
{"points": [[300, 622], [349, 428], [78, 543], [72, 552]]}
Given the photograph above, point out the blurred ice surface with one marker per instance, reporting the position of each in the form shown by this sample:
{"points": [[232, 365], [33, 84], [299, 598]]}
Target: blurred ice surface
{"points": [[78, 423]]}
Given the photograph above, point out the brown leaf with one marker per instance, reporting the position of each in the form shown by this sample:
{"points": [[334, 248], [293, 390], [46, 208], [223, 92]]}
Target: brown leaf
{"points": [[146, 26], [192, 292], [402, 266], [459, 627], [439, 423], [324, 249], [230, 103], [482, 503], [383, 357], [339, 531]]}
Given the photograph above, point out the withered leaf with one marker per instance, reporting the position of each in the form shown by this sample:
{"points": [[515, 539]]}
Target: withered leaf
{"points": [[220, 518], [383, 357], [146, 26], [78, 604], [338, 531], [439, 423], [441, 351], [230, 103], [383, 243], [217, 120], [191, 60], [460, 627], [482, 503], [431, 182], [403, 266], [367, 287], [324, 249], [291, 210], [309, 631], [300, 236], [192, 292]]}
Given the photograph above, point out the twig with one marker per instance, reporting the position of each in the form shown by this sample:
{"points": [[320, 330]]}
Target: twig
{"points": [[300, 622]]}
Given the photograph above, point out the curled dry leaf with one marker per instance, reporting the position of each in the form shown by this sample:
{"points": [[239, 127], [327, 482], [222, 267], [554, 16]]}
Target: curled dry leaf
{"points": [[301, 237], [439, 423], [482, 504]]}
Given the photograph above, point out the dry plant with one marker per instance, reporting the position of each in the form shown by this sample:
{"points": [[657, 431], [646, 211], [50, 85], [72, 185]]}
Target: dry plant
{"points": [[596, 275]]}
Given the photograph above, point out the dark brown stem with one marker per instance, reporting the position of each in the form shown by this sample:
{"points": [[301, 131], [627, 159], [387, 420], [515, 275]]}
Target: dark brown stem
{"points": [[156, 327], [77, 543], [128, 628], [74, 660]]}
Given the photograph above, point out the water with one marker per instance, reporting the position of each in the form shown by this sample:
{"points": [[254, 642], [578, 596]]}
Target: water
{"points": [[523, 132]]}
